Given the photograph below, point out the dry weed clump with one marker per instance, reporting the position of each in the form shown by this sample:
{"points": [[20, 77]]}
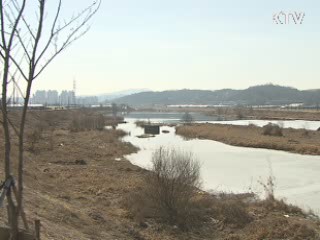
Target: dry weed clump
{"points": [[232, 210], [281, 206], [281, 228], [272, 130]]}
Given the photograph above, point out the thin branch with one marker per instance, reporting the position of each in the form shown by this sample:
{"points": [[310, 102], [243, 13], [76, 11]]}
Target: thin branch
{"points": [[14, 28], [15, 4], [52, 34], [15, 82], [2, 26], [38, 36], [72, 20], [18, 66], [23, 45]]}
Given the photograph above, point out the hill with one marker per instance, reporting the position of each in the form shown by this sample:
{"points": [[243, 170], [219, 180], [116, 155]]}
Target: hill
{"points": [[257, 95], [106, 97]]}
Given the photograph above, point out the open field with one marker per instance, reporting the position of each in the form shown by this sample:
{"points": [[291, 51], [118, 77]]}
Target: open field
{"points": [[78, 184], [293, 140]]}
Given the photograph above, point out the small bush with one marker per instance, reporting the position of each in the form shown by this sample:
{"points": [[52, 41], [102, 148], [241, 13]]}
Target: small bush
{"points": [[272, 130]]}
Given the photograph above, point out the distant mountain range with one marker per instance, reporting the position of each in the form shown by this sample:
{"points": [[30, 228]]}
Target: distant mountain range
{"points": [[258, 95], [111, 96]]}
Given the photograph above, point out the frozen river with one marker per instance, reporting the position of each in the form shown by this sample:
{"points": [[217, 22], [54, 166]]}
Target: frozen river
{"points": [[238, 169]]}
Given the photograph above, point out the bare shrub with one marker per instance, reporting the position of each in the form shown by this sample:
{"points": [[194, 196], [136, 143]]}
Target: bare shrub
{"points": [[272, 130], [273, 204], [269, 187], [173, 183], [240, 112], [35, 135], [170, 190]]}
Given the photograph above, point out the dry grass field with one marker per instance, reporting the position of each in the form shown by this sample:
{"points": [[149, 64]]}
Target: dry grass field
{"points": [[292, 140]]}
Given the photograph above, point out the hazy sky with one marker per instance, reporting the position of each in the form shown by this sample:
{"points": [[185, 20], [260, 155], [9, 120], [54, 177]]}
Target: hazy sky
{"points": [[197, 44]]}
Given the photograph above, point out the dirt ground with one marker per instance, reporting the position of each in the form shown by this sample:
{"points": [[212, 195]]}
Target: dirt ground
{"points": [[76, 182]]}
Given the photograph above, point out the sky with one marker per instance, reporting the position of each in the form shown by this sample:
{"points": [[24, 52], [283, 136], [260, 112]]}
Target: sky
{"points": [[194, 44]]}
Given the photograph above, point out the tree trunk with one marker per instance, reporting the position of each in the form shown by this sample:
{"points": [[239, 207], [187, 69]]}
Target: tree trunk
{"points": [[13, 219]]}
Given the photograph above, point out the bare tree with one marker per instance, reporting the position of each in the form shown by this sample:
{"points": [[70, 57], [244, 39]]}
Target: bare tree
{"points": [[28, 44], [187, 118], [114, 107]]}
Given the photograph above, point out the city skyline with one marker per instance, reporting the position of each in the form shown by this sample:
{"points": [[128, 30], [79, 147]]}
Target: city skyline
{"points": [[62, 98]]}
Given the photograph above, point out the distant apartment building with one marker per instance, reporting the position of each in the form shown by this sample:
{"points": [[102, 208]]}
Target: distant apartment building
{"points": [[40, 97], [87, 101], [43, 97], [67, 98], [52, 97]]}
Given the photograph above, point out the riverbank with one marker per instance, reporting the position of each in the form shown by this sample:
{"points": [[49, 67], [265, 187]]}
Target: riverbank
{"points": [[77, 182], [292, 140]]}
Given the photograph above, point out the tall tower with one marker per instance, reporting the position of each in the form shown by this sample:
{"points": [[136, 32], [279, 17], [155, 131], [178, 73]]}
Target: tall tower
{"points": [[74, 91], [14, 96]]}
